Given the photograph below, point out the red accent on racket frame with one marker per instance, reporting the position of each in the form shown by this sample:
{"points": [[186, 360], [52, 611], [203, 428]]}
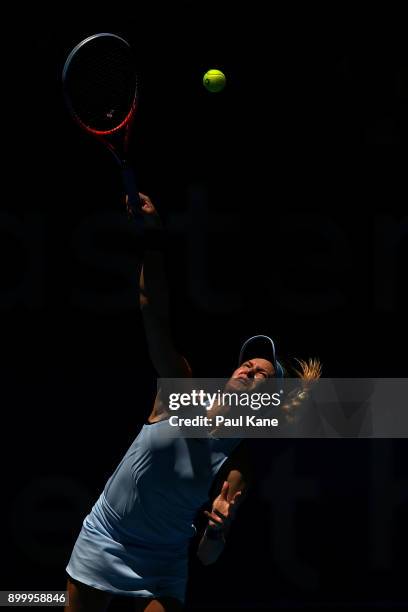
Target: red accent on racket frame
{"points": [[126, 120]]}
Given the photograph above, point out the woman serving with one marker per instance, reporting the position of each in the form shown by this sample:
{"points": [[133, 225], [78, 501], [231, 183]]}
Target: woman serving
{"points": [[135, 540]]}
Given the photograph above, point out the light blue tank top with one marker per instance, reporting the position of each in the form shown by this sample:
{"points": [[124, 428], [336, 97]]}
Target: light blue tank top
{"points": [[152, 497]]}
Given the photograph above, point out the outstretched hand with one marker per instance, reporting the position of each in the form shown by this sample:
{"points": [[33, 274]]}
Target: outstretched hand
{"points": [[223, 508], [147, 209]]}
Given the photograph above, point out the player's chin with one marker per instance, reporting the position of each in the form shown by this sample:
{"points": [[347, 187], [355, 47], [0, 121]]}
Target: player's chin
{"points": [[236, 384]]}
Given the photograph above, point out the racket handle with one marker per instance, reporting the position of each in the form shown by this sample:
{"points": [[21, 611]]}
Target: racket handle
{"points": [[130, 185]]}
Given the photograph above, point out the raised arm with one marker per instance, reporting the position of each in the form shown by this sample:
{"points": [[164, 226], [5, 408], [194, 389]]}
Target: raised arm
{"points": [[154, 302]]}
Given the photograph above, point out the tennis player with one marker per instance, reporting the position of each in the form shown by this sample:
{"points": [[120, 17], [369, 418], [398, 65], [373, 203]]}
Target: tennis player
{"points": [[135, 540]]}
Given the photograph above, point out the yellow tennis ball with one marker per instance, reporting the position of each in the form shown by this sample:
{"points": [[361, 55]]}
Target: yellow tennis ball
{"points": [[214, 80]]}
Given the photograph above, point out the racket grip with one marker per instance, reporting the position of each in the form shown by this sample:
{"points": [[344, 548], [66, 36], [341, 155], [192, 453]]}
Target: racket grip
{"points": [[130, 185]]}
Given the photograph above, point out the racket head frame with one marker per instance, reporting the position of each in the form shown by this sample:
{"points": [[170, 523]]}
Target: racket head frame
{"points": [[67, 98], [122, 130]]}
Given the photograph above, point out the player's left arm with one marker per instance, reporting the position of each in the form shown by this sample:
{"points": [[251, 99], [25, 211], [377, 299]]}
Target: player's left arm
{"points": [[223, 511]]}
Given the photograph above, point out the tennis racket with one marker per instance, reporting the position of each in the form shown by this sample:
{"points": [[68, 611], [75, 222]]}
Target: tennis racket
{"points": [[100, 90]]}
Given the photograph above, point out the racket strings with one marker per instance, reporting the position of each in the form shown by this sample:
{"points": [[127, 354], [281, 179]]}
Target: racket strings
{"points": [[101, 84]]}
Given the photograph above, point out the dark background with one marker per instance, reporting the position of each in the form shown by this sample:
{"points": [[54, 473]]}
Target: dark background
{"points": [[285, 199]]}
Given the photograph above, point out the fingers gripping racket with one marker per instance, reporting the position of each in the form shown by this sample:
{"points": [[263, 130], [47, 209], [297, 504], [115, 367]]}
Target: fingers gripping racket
{"points": [[100, 89]]}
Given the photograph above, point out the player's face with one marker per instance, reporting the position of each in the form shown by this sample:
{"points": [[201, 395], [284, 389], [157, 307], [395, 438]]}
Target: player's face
{"points": [[250, 374]]}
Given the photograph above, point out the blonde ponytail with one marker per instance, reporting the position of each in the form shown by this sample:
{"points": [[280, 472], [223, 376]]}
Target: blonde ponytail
{"points": [[309, 371]]}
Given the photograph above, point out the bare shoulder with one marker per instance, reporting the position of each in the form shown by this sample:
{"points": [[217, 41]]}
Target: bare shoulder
{"points": [[160, 410]]}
